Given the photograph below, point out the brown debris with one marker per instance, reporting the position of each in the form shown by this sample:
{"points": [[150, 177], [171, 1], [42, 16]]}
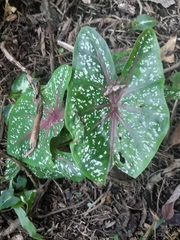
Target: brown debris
{"points": [[167, 51], [164, 3], [168, 207], [175, 137]]}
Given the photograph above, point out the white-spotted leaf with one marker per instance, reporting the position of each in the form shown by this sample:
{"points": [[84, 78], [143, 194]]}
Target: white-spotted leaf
{"points": [[93, 69], [64, 166], [22, 117], [113, 120], [142, 106]]}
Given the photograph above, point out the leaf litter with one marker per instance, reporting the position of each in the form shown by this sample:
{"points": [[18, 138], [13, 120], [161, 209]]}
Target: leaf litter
{"points": [[127, 196], [168, 207]]}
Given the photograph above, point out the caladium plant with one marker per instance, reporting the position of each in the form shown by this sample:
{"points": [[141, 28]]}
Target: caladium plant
{"points": [[115, 120], [45, 161], [111, 119]]}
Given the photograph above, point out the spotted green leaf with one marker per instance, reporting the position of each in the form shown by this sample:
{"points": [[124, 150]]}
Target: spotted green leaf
{"points": [[11, 170], [171, 93], [115, 121], [64, 166], [22, 116]]}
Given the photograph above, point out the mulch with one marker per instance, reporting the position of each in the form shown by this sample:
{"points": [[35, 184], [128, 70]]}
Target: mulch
{"points": [[68, 210]]}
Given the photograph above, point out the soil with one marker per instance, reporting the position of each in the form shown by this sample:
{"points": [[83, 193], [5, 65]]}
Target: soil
{"points": [[124, 208]]}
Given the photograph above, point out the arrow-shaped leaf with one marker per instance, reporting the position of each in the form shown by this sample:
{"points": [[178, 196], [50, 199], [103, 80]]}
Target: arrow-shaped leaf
{"points": [[22, 116], [115, 120]]}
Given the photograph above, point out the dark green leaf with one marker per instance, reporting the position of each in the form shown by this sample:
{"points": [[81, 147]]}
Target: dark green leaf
{"points": [[175, 78], [20, 182], [7, 199], [61, 141], [6, 112], [26, 223]]}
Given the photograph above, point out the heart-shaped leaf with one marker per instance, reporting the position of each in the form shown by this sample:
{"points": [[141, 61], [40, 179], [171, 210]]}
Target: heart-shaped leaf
{"points": [[93, 68], [22, 117], [143, 107], [144, 21], [108, 117]]}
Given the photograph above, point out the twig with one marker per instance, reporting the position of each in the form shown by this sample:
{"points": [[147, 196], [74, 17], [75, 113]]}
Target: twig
{"points": [[22, 167], [174, 111], [63, 209], [36, 126], [140, 7], [60, 191], [46, 8], [65, 45], [40, 191], [101, 199], [148, 232], [1, 119], [172, 67], [12, 59], [13, 225]]}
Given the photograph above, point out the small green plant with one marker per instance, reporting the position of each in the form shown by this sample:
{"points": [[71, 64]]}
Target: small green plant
{"points": [[116, 237], [18, 198], [105, 119], [92, 118], [46, 161], [143, 22]]}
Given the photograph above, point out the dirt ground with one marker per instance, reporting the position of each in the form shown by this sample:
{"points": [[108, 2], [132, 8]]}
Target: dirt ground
{"points": [[124, 207]]}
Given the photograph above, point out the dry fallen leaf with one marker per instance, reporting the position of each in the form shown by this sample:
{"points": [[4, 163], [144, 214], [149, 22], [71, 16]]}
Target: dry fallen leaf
{"points": [[17, 237], [168, 207], [164, 3], [127, 8], [9, 9], [167, 51], [11, 17], [175, 137]]}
